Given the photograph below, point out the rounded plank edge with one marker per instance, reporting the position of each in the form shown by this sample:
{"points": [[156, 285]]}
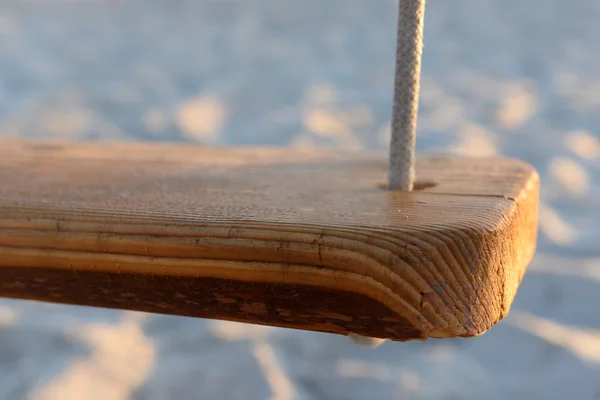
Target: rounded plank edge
{"points": [[349, 276]]}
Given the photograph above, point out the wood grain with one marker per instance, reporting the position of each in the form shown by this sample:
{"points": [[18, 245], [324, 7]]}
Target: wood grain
{"points": [[290, 238]]}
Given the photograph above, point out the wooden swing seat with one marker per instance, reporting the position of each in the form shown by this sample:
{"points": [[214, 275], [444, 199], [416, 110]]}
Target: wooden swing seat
{"points": [[301, 239]]}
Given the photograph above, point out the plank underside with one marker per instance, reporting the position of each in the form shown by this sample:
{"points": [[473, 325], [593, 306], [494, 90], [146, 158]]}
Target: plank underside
{"points": [[291, 238]]}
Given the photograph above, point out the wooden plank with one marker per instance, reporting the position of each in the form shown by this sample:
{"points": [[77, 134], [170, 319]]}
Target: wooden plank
{"points": [[290, 238]]}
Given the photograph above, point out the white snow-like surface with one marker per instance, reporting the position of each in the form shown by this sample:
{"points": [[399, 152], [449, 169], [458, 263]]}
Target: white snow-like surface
{"points": [[519, 78]]}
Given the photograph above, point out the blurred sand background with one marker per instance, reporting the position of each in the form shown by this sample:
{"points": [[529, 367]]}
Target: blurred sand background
{"points": [[512, 77]]}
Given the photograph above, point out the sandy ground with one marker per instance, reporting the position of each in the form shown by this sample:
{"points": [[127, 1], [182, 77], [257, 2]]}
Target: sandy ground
{"points": [[519, 78]]}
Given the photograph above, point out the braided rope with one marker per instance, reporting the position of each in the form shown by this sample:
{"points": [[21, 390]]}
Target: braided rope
{"points": [[409, 50]]}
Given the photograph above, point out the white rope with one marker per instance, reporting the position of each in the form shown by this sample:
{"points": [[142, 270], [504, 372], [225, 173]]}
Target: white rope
{"points": [[409, 49]]}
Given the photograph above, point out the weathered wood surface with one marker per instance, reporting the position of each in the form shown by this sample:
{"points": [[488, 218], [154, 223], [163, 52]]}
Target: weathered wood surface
{"points": [[291, 238]]}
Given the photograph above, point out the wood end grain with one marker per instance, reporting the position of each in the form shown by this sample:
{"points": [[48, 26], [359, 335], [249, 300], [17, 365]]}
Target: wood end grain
{"points": [[290, 238]]}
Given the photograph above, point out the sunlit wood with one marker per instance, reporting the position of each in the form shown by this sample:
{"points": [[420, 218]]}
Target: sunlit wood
{"points": [[283, 237]]}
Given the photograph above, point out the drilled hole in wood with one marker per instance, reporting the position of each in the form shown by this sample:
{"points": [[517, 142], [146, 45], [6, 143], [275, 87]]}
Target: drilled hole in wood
{"points": [[424, 184], [418, 185]]}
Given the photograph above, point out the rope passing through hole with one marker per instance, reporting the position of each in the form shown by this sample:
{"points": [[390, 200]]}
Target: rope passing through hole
{"points": [[409, 50]]}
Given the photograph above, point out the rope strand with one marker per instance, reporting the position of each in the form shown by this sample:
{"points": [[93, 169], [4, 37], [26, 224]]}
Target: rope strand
{"points": [[401, 174], [409, 50]]}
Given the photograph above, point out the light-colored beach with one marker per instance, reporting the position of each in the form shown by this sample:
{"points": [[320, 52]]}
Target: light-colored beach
{"points": [[516, 78]]}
